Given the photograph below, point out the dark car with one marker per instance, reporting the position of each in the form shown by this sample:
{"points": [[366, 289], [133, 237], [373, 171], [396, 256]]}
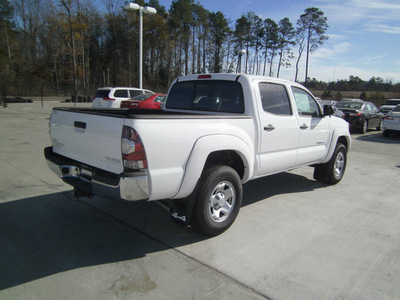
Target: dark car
{"points": [[361, 115]]}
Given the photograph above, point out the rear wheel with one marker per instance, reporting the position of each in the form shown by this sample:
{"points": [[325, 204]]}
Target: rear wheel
{"points": [[386, 133], [218, 200], [332, 171], [364, 127]]}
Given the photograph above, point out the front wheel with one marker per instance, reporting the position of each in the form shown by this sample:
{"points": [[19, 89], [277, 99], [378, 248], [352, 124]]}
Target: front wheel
{"points": [[379, 127], [332, 171], [218, 200]]}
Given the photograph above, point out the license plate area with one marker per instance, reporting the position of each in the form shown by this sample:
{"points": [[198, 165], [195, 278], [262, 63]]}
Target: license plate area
{"points": [[86, 173]]}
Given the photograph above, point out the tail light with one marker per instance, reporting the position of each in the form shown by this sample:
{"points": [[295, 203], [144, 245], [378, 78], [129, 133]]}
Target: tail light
{"points": [[108, 98], [390, 118], [133, 153]]}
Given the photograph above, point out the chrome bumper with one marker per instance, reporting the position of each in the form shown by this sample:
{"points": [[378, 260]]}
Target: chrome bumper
{"points": [[128, 186]]}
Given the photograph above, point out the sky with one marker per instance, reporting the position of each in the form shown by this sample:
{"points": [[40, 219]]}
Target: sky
{"points": [[364, 35]]}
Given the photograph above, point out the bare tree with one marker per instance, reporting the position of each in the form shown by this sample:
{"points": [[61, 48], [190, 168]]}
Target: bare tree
{"points": [[314, 25]]}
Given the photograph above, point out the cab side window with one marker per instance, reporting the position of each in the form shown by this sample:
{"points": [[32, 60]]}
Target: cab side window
{"points": [[306, 105], [274, 98]]}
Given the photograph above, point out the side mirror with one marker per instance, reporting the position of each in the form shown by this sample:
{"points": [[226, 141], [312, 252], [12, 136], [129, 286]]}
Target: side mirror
{"points": [[328, 110]]}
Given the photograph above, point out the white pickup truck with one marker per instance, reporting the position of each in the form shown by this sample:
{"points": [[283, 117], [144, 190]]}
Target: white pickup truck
{"points": [[216, 132]]}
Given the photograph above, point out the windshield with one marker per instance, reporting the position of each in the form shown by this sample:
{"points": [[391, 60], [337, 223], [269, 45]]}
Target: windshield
{"points": [[397, 108], [210, 95], [349, 104]]}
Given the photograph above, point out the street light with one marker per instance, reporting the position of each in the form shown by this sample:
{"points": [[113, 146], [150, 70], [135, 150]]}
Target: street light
{"points": [[147, 10]]}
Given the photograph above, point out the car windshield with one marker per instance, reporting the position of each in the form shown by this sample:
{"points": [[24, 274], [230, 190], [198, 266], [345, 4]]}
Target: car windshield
{"points": [[349, 104], [141, 97], [392, 102], [160, 98], [397, 108]]}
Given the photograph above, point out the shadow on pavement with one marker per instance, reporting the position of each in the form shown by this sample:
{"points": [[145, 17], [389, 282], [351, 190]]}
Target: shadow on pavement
{"points": [[48, 234], [378, 137], [283, 183]]}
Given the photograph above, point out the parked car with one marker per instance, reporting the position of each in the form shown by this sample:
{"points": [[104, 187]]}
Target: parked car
{"points": [[145, 101], [391, 122], [361, 115], [338, 113], [111, 97], [389, 105]]}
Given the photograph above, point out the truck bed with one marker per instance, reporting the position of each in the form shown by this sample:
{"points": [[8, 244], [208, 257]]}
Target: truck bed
{"points": [[150, 113]]}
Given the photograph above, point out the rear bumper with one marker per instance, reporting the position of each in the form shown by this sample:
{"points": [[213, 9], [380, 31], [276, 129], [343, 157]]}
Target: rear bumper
{"points": [[91, 181], [355, 123]]}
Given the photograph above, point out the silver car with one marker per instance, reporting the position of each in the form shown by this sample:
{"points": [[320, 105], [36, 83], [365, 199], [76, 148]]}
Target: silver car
{"points": [[391, 122]]}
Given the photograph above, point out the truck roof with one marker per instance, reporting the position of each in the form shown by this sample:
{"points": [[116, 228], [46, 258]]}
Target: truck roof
{"points": [[232, 77]]}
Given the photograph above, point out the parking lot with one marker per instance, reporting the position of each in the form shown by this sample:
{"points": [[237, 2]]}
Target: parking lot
{"points": [[294, 238]]}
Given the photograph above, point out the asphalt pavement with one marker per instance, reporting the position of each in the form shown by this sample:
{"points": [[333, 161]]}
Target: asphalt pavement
{"points": [[294, 238]]}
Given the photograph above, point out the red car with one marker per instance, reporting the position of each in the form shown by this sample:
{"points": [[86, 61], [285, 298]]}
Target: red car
{"points": [[145, 101]]}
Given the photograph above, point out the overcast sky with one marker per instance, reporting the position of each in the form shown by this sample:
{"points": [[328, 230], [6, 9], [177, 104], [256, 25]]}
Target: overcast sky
{"points": [[364, 35]]}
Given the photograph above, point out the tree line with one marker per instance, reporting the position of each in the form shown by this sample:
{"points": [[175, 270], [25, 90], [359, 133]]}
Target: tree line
{"points": [[72, 47]]}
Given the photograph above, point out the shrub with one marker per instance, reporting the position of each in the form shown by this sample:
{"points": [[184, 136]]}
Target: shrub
{"points": [[378, 98], [363, 96], [326, 94]]}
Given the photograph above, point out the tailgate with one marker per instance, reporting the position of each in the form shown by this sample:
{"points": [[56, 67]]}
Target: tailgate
{"points": [[91, 139]]}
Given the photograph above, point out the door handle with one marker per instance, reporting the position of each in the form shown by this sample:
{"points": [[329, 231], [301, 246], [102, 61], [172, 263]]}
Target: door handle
{"points": [[303, 127], [81, 125], [269, 127]]}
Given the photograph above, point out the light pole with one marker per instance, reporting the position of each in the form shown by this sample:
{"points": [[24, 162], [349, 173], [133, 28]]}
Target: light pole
{"points": [[148, 10]]}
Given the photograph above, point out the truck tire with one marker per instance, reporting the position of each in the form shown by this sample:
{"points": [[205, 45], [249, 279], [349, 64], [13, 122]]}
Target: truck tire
{"points": [[218, 200], [332, 171]]}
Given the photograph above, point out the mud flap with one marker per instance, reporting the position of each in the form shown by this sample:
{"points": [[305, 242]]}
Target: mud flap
{"points": [[182, 209]]}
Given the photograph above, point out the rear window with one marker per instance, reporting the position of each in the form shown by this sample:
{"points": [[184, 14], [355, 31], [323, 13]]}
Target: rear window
{"points": [[102, 93], [141, 97], [350, 105], [215, 95]]}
